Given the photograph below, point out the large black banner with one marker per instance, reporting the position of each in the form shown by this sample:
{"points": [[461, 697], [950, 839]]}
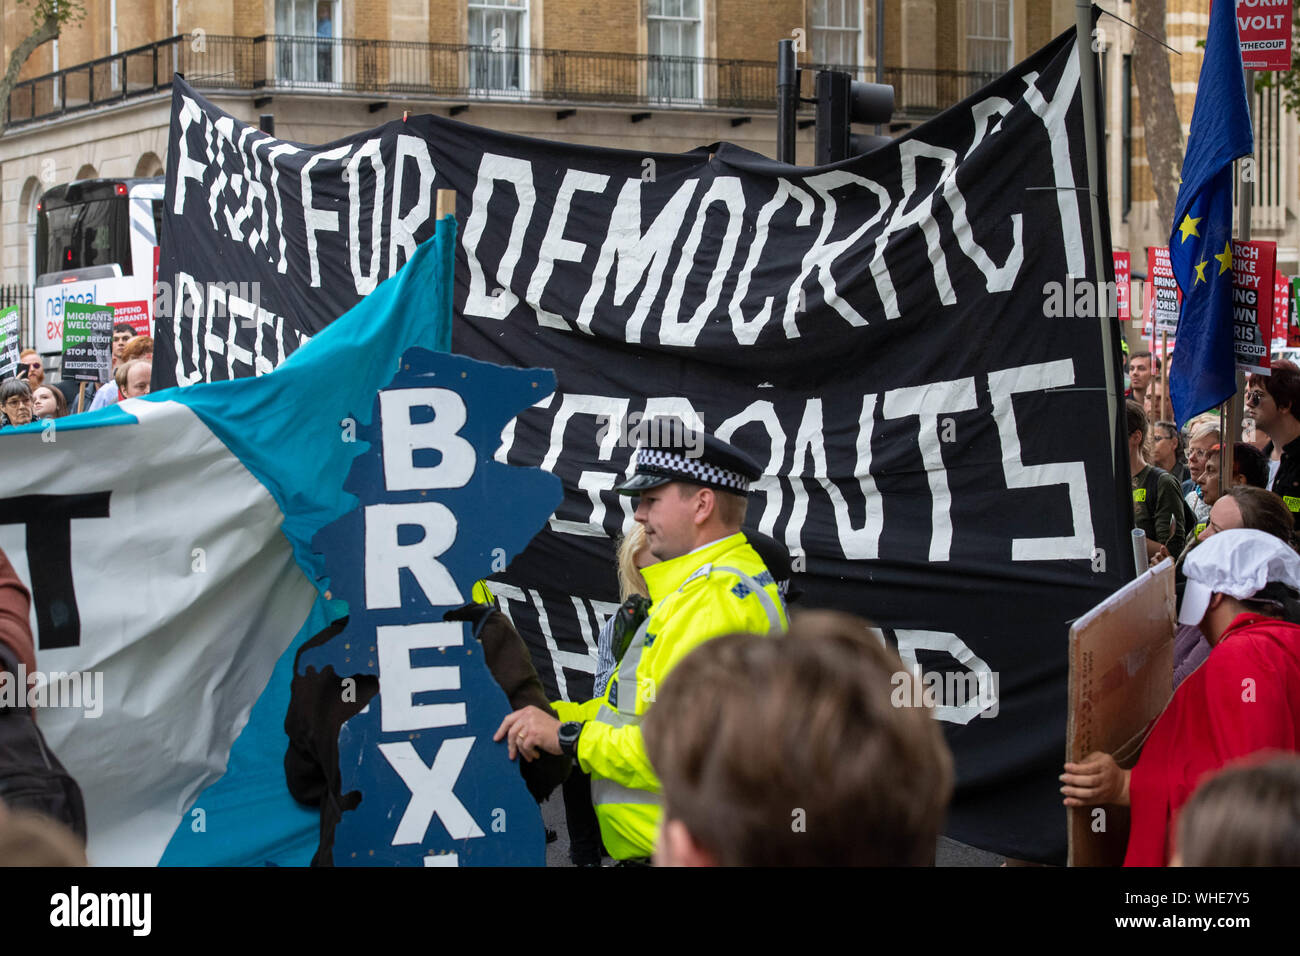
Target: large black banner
{"points": [[884, 335]]}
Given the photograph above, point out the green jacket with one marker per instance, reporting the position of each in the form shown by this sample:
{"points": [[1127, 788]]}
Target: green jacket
{"points": [[716, 590]]}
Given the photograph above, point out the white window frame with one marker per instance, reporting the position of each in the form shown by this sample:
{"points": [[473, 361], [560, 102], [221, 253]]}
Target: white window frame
{"points": [[298, 50], [815, 28], [660, 96], [524, 11], [1009, 39]]}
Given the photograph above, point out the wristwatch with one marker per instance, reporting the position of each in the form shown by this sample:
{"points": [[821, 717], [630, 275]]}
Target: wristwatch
{"points": [[569, 733]]}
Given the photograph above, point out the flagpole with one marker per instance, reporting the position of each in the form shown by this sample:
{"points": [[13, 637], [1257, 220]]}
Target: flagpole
{"points": [[445, 208], [1091, 137]]}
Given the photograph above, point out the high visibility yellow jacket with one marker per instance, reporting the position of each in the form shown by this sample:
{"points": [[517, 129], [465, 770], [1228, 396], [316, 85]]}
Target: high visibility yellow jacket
{"points": [[716, 590]]}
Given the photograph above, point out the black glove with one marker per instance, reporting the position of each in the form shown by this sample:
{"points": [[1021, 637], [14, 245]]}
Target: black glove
{"points": [[473, 612]]}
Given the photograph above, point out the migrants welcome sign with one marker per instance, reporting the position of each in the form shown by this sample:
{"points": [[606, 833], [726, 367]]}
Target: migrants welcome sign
{"points": [[938, 452]]}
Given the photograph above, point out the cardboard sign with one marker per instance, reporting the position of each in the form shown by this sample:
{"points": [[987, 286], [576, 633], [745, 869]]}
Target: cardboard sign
{"points": [[1164, 298], [1281, 309], [134, 313], [87, 342], [8, 342], [1123, 284], [1265, 30], [1121, 679], [1252, 303]]}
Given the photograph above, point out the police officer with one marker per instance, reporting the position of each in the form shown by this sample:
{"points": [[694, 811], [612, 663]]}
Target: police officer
{"points": [[709, 581]]}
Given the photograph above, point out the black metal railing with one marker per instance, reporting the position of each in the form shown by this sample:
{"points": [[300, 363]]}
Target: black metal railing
{"points": [[21, 296], [447, 71]]}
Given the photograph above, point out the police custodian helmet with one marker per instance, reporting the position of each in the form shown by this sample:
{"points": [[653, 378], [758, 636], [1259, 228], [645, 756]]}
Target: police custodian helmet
{"points": [[675, 452]]}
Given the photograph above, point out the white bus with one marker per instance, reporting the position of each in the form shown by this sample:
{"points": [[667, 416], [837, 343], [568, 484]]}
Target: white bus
{"points": [[95, 242]]}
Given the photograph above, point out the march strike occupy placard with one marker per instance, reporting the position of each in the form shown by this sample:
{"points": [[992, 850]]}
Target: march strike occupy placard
{"points": [[8, 342], [87, 342], [939, 452], [1252, 303], [1164, 298]]}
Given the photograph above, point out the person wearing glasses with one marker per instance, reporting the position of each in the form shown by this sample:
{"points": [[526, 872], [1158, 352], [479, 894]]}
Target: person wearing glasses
{"points": [[15, 402], [1271, 401], [34, 371], [1204, 438]]}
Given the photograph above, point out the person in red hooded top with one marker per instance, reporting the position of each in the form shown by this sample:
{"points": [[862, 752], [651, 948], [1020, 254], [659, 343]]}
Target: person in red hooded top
{"points": [[1245, 697]]}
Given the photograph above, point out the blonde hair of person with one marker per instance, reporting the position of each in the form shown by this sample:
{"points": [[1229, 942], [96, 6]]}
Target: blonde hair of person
{"points": [[1205, 428], [630, 580]]}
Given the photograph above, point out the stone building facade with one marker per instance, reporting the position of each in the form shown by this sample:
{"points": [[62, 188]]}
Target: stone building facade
{"points": [[636, 74]]}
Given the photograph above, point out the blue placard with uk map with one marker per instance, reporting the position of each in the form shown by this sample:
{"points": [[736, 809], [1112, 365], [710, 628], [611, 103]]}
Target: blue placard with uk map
{"points": [[435, 514]]}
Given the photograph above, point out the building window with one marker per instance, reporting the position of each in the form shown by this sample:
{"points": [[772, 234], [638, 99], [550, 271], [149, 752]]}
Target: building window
{"points": [[306, 42], [988, 36], [675, 35], [498, 31], [836, 32]]}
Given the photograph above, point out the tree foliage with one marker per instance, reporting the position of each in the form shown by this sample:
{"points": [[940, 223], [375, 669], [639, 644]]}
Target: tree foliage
{"points": [[48, 19]]}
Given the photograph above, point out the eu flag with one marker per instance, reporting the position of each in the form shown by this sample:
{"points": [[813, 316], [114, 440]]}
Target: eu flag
{"points": [[1200, 245]]}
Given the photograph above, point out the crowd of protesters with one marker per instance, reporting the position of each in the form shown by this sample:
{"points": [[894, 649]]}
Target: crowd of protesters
{"points": [[28, 396], [1217, 781]]}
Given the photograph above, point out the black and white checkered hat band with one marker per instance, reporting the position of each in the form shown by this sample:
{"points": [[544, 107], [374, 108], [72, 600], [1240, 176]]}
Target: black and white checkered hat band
{"points": [[654, 461]]}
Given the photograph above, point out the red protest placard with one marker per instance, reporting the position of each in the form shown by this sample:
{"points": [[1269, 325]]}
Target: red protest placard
{"points": [[1123, 282], [1252, 303], [1163, 296], [136, 313], [1265, 30], [1281, 309]]}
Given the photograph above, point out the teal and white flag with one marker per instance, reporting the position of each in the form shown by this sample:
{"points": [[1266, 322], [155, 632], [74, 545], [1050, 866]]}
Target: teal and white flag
{"points": [[167, 543]]}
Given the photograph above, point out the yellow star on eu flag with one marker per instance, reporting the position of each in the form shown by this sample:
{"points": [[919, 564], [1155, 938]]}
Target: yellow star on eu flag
{"points": [[1188, 227], [1225, 258], [1200, 270]]}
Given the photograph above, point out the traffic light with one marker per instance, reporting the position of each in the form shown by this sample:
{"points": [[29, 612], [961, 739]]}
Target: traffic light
{"points": [[843, 101]]}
